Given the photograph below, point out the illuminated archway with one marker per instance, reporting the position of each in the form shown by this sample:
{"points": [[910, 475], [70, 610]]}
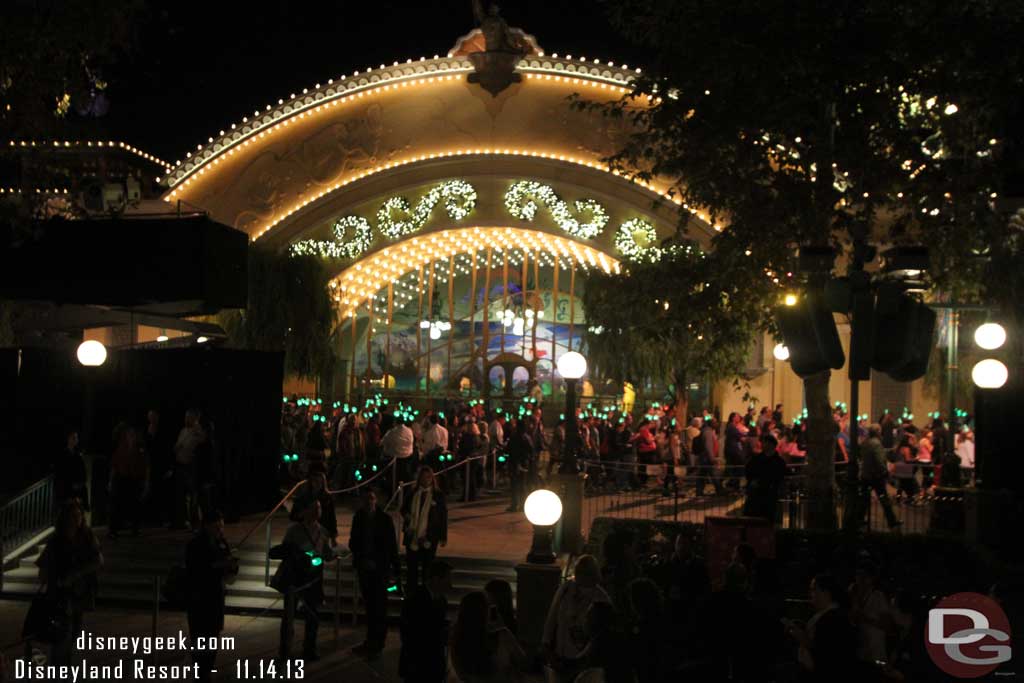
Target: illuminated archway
{"points": [[437, 307]]}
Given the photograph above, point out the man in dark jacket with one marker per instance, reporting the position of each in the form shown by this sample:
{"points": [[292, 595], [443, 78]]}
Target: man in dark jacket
{"points": [[375, 558], [208, 562], [69, 473], [765, 473], [424, 627], [520, 455]]}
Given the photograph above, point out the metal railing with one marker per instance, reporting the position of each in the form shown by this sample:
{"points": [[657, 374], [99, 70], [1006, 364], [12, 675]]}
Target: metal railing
{"points": [[25, 516], [626, 490]]}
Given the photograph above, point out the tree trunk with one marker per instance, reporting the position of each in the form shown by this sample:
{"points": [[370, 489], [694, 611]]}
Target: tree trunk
{"points": [[821, 443], [682, 400]]}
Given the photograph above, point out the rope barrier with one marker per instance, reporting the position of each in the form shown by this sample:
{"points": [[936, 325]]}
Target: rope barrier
{"points": [[393, 463]]}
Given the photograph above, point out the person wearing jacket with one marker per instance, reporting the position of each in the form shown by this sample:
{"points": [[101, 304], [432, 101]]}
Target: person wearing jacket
{"points": [[424, 526], [375, 558], [300, 577], [208, 562], [520, 454]]}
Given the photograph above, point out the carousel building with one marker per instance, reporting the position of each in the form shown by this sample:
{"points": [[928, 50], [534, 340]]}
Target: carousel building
{"points": [[460, 201]]}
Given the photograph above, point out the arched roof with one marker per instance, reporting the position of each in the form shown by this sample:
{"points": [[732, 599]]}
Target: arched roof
{"points": [[291, 164]]}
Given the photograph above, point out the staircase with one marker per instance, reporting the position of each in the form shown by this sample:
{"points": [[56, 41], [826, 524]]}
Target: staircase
{"points": [[133, 566]]}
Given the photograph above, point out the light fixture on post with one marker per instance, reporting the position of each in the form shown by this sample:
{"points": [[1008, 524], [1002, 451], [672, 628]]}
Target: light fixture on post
{"points": [[781, 352], [92, 353], [571, 366], [989, 374], [990, 336], [543, 509]]}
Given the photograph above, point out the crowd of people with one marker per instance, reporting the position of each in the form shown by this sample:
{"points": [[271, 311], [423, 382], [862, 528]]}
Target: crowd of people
{"points": [[152, 475], [658, 610]]}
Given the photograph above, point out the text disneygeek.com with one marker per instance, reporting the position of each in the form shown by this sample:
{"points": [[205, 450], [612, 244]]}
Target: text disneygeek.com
{"points": [[133, 667]]}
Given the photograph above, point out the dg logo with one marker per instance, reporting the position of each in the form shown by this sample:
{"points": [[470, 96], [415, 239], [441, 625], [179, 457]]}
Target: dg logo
{"points": [[968, 635]]}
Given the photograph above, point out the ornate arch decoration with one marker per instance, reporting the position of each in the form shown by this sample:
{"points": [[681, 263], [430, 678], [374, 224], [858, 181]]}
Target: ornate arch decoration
{"points": [[359, 282]]}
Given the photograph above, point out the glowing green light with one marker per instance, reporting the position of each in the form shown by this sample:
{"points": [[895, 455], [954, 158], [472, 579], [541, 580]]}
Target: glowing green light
{"points": [[285, 399], [393, 588]]}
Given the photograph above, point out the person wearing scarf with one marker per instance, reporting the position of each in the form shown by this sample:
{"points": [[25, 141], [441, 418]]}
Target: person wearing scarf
{"points": [[425, 526]]}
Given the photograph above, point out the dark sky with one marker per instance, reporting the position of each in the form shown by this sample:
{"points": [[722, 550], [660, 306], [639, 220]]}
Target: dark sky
{"points": [[201, 66]]}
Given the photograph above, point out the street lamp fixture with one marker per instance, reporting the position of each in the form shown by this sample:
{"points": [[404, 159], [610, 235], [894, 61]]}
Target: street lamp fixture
{"points": [[989, 374], [781, 352], [543, 509], [92, 353], [990, 336], [571, 366]]}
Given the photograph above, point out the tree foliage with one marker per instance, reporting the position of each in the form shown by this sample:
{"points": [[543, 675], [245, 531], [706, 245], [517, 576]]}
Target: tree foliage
{"points": [[827, 123], [289, 310], [673, 318], [53, 61], [812, 123]]}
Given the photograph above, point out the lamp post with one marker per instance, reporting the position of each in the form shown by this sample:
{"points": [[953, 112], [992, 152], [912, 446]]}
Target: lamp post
{"points": [[543, 509], [571, 366], [538, 578]]}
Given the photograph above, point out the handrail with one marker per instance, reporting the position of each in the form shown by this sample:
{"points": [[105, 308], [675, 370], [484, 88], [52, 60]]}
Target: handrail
{"points": [[266, 517], [26, 514], [27, 491]]}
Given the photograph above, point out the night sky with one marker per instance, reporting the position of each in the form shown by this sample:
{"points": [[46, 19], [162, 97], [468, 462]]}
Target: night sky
{"points": [[201, 66]]}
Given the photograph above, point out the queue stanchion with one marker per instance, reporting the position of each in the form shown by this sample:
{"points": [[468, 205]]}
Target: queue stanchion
{"points": [[466, 475]]}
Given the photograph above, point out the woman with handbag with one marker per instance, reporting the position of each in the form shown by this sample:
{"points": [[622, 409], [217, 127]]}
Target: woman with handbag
{"points": [[424, 526], [300, 577], [67, 570]]}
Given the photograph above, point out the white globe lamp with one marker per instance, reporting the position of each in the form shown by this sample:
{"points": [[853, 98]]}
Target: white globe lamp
{"points": [[543, 509], [990, 336], [989, 374], [92, 353], [572, 365], [781, 352]]}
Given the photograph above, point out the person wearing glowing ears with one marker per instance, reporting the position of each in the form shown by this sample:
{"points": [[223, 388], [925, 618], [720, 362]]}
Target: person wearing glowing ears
{"points": [[425, 526], [300, 577]]}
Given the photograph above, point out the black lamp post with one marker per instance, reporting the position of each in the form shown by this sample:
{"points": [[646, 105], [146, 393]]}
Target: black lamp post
{"points": [[571, 366]]}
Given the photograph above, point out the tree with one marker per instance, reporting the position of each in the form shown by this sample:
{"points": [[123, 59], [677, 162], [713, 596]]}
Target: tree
{"points": [[672, 317], [289, 310], [809, 123]]}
